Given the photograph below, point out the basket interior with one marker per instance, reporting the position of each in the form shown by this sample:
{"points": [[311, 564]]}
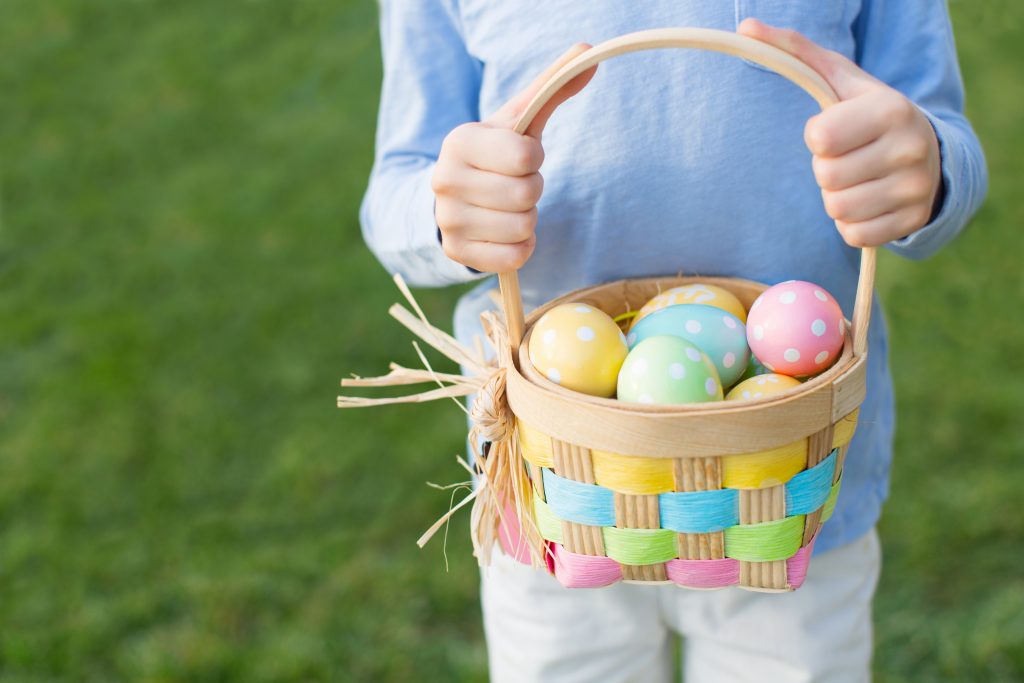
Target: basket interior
{"points": [[616, 298]]}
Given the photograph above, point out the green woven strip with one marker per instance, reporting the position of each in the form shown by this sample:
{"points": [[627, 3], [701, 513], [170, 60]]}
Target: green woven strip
{"points": [[830, 502], [640, 546], [765, 542], [550, 527]]}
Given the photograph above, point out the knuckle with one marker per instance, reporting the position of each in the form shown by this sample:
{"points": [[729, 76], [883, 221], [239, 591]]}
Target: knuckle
{"points": [[917, 217], [527, 191], [521, 195], [462, 132], [896, 107], [836, 205], [527, 156], [441, 180], [445, 215], [852, 234], [911, 152], [453, 247], [918, 187], [918, 149], [820, 137], [827, 172], [518, 254], [522, 225]]}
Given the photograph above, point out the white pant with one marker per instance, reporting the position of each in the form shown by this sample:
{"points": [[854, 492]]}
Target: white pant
{"points": [[539, 631]]}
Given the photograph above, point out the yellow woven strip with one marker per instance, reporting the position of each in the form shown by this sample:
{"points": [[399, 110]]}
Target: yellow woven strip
{"points": [[549, 526], [844, 429], [536, 446], [632, 475], [764, 469], [646, 476]]}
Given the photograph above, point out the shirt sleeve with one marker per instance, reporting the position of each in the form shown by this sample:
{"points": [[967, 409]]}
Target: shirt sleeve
{"points": [[431, 85], [909, 45]]}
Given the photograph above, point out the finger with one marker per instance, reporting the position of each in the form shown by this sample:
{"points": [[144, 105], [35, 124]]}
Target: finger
{"points": [[882, 229], [877, 197], [885, 156], [860, 202], [870, 162], [510, 112], [485, 225], [502, 193], [489, 257], [499, 150], [845, 77], [845, 126]]}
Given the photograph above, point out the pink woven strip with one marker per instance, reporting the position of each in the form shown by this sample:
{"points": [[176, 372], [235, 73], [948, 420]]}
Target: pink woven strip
{"points": [[704, 573], [796, 566], [583, 571], [510, 535], [587, 571]]}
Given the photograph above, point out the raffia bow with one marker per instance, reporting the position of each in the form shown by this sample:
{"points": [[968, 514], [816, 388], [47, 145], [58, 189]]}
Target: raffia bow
{"points": [[503, 486]]}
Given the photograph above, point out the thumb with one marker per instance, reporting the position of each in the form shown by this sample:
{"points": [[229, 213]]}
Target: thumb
{"points": [[510, 112], [845, 77]]}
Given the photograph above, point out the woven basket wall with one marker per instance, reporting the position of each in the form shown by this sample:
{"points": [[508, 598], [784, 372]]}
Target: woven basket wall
{"points": [[705, 495]]}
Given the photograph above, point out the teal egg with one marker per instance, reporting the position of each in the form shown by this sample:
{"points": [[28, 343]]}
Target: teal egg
{"points": [[719, 334], [664, 370], [754, 368]]}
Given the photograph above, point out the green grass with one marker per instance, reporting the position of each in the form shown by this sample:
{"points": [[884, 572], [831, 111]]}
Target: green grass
{"points": [[182, 281]]}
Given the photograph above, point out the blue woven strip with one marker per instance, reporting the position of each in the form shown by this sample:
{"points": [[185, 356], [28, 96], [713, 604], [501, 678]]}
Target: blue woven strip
{"points": [[577, 502], [808, 490], [699, 512]]}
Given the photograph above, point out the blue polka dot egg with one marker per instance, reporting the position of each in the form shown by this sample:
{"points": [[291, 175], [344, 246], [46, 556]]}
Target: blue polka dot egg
{"points": [[719, 334], [664, 370]]}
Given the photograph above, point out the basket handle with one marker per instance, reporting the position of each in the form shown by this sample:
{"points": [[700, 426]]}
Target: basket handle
{"points": [[726, 42]]}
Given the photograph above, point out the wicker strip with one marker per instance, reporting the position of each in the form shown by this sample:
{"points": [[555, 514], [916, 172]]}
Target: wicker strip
{"points": [[537, 477], [573, 462], [763, 505], [639, 512], [819, 446], [699, 474]]}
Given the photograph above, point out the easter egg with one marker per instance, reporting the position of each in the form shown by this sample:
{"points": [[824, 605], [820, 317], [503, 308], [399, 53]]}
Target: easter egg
{"points": [[694, 293], [666, 369], [754, 368], [579, 347], [762, 385], [716, 332], [796, 328]]}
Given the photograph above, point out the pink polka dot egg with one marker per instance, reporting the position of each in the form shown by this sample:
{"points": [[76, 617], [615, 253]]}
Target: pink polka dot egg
{"points": [[796, 328]]}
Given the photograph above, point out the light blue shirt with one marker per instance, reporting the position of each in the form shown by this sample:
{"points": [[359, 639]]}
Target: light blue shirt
{"points": [[669, 161]]}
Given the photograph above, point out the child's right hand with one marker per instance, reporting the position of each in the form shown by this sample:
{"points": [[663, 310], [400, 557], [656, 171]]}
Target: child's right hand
{"points": [[487, 181]]}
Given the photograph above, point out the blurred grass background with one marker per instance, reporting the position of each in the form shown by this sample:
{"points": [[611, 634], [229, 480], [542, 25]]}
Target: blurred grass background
{"points": [[182, 282]]}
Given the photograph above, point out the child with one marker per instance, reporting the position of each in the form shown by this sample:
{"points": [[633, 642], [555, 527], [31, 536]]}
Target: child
{"points": [[676, 161]]}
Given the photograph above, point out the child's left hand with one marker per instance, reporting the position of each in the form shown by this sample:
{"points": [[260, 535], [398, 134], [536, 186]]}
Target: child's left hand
{"points": [[876, 156]]}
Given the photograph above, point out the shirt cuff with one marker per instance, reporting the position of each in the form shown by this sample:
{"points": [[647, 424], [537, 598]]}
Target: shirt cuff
{"points": [[946, 223]]}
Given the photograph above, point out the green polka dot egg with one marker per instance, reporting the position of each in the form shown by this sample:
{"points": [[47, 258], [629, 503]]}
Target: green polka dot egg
{"points": [[718, 333], [665, 369], [578, 347]]}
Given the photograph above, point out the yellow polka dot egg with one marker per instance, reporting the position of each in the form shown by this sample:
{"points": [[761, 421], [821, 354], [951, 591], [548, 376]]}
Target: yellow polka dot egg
{"points": [[761, 385], [579, 347], [694, 293]]}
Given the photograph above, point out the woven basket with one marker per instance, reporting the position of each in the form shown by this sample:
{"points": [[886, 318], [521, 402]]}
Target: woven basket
{"points": [[701, 495]]}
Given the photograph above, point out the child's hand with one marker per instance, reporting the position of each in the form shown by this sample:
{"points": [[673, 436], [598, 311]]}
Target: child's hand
{"points": [[487, 183], [876, 156]]}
